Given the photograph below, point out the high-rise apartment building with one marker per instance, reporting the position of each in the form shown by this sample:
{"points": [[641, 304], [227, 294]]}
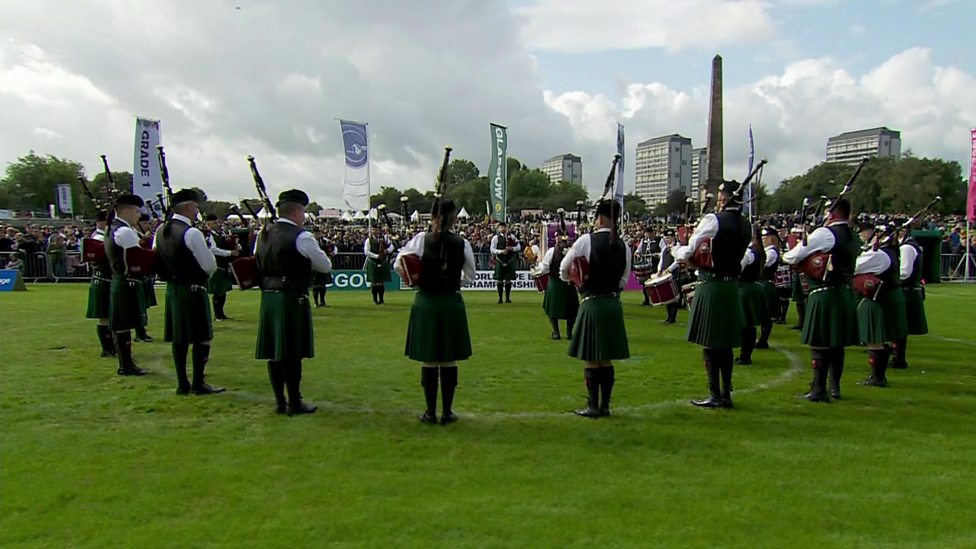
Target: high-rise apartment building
{"points": [[849, 147], [565, 167], [699, 172], [662, 165]]}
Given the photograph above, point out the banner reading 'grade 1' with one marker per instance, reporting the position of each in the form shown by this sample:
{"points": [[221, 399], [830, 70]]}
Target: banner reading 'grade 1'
{"points": [[146, 181], [498, 172]]}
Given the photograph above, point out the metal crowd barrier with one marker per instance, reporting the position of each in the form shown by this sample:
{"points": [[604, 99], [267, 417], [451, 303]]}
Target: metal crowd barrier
{"points": [[954, 267], [356, 260]]}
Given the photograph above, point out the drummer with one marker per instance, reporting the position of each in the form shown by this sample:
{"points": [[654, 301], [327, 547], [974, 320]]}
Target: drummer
{"points": [[667, 264], [561, 300], [770, 240]]}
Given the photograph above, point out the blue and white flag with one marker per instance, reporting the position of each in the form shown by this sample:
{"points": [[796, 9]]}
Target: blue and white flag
{"points": [[747, 193], [355, 190], [618, 191]]}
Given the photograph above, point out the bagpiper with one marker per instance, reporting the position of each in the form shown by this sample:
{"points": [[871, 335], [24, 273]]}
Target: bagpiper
{"points": [[881, 314], [560, 300], [599, 335], [504, 249], [437, 332], [190, 264], [287, 254], [127, 297], [221, 281], [830, 320], [378, 250], [716, 317], [911, 285], [770, 238], [99, 289], [751, 294]]}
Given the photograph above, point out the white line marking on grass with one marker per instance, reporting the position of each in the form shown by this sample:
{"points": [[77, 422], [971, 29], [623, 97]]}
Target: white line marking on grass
{"points": [[954, 340]]}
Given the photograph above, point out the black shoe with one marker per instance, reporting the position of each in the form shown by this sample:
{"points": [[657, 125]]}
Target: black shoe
{"points": [[183, 390], [106, 354], [762, 345], [709, 402], [780, 321], [447, 418], [499, 301], [592, 413], [743, 361], [508, 300], [667, 322], [206, 389], [604, 412], [899, 365], [301, 408], [815, 397], [872, 381], [727, 403], [144, 337], [281, 409], [796, 327], [430, 418], [131, 370], [646, 304], [554, 335]]}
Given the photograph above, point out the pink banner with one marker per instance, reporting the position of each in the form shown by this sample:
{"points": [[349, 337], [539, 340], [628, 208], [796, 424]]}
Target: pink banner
{"points": [[971, 203]]}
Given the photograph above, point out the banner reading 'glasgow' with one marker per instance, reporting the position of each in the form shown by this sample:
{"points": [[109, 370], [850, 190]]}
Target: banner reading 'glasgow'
{"points": [[498, 172]]}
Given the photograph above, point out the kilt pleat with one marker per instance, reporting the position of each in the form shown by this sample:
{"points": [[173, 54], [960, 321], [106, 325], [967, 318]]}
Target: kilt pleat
{"points": [[505, 270], [831, 319], [915, 311], [599, 333], [377, 272], [187, 317], [284, 327], [771, 297], [716, 316], [438, 328], [896, 322], [560, 300], [754, 307], [871, 322], [99, 292], [220, 281], [127, 304]]}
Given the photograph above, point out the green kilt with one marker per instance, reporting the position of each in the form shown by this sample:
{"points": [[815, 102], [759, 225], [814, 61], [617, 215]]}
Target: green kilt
{"points": [[505, 270], [284, 326], [321, 280], [915, 310], [771, 296], [188, 317], [221, 281], [378, 273], [754, 307], [831, 319], [796, 290], [99, 291], [438, 328], [149, 285], [599, 333], [716, 314], [871, 322], [561, 301], [896, 323], [127, 304]]}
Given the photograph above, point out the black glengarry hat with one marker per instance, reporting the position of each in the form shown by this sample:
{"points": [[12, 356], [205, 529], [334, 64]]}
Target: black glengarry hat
{"points": [[185, 195], [129, 200], [293, 195]]}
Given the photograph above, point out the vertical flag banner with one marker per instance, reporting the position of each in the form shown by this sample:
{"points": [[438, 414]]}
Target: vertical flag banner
{"points": [[355, 190], [146, 181], [618, 192], [747, 193], [498, 172], [971, 201], [64, 199]]}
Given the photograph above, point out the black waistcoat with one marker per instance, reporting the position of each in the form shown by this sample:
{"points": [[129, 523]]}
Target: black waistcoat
{"points": [[891, 275], [181, 265], [608, 260], [442, 269], [914, 280], [282, 266], [729, 244], [753, 270], [843, 255], [114, 252]]}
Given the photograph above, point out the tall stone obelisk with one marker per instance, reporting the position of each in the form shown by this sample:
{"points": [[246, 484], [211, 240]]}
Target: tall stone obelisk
{"points": [[714, 160]]}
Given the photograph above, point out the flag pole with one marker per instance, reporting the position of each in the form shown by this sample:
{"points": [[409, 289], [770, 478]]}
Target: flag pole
{"points": [[967, 257]]}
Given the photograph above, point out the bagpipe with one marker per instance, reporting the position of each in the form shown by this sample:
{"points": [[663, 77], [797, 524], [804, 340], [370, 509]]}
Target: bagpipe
{"points": [[411, 266], [579, 270], [540, 275], [869, 285], [382, 242], [245, 269], [818, 264]]}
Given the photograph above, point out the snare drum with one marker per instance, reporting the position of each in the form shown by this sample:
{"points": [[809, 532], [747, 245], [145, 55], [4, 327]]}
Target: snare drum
{"points": [[541, 280], [783, 277], [662, 290]]}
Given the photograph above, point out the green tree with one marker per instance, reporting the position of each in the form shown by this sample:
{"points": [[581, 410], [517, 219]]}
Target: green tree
{"points": [[514, 166], [461, 171], [472, 195], [634, 205], [390, 196], [676, 202], [31, 182]]}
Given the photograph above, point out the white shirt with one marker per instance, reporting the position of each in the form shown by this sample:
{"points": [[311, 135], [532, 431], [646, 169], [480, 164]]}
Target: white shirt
{"points": [[772, 255], [660, 260], [707, 228], [908, 255], [872, 262], [371, 255], [494, 242], [546, 261], [581, 248], [309, 249], [98, 235], [748, 258], [820, 240], [125, 237], [415, 246], [196, 243], [219, 252]]}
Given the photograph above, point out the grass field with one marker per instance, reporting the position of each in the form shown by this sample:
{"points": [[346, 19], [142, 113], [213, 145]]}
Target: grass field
{"points": [[93, 459]]}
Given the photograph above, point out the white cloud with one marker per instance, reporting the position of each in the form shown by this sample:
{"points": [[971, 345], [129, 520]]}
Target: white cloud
{"points": [[602, 25]]}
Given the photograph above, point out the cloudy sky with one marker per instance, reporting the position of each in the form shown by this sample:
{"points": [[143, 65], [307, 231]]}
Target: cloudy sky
{"points": [[269, 78]]}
